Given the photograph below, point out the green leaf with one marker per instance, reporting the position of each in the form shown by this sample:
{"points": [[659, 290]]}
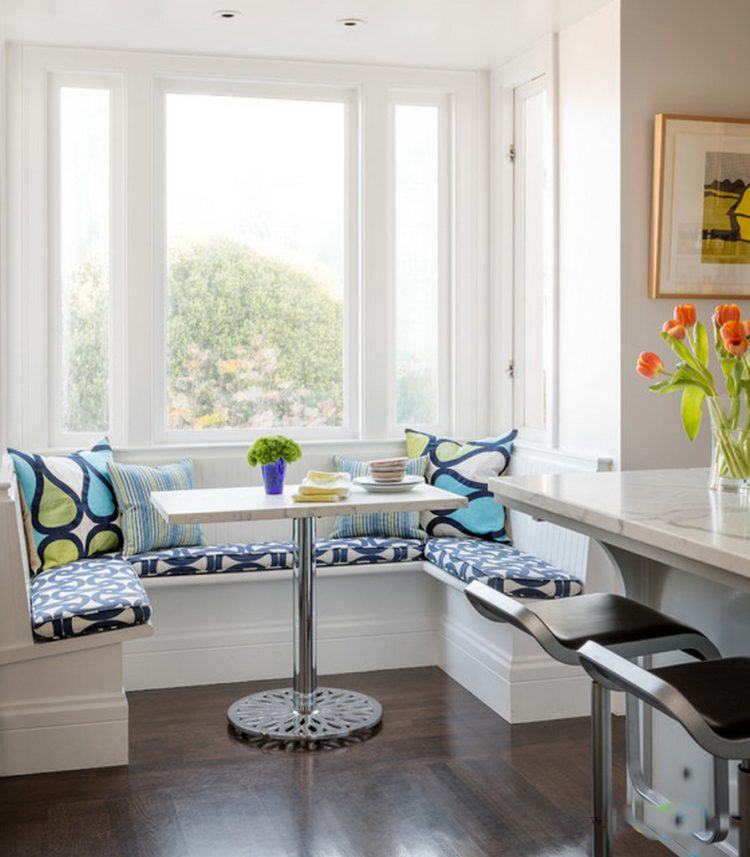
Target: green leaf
{"points": [[686, 376], [701, 343], [691, 410], [727, 364], [678, 347], [662, 387]]}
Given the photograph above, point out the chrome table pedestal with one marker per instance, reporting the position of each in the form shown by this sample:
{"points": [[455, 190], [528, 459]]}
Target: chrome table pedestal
{"points": [[304, 713]]}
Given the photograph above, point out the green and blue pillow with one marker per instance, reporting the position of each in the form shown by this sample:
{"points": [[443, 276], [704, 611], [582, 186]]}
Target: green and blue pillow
{"points": [[464, 468], [143, 527], [69, 508], [402, 525]]}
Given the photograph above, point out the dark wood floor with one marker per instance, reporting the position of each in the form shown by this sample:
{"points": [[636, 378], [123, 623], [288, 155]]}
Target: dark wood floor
{"points": [[445, 777]]}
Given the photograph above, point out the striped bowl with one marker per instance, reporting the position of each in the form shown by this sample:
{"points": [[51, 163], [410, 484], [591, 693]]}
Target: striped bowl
{"points": [[386, 470]]}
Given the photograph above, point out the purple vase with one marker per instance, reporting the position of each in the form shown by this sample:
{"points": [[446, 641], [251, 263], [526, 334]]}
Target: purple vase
{"points": [[273, 476]]}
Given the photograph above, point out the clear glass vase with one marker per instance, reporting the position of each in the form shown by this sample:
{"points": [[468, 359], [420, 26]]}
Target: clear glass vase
{"points": [[730, 443]]}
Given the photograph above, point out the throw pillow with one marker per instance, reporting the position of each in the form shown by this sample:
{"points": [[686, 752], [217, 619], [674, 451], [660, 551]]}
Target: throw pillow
{"points": [[403, 525], [69, 508], [143, 528], [464, 468]]}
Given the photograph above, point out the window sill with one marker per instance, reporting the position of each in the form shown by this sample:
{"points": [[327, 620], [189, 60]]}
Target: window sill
{"points": [[213, 449]]}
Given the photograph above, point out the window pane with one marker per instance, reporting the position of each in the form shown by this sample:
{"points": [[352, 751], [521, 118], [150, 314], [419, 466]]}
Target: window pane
{"points": [[416, 263], [84, 257], [256, 257]]}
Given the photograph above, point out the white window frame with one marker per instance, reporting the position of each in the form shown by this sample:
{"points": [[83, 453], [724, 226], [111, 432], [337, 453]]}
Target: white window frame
{"points": [[111, 83], [506, 354], [538, 434], [446, 240], [137, 280], [349, 98]]}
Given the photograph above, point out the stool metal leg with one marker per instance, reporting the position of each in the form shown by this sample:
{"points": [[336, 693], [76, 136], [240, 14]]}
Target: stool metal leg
{"points": [[601, 746], [743, 784]]}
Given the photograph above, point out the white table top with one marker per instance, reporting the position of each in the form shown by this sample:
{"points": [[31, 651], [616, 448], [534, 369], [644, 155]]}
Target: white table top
{"points": [[218, 505], [672, 510]]}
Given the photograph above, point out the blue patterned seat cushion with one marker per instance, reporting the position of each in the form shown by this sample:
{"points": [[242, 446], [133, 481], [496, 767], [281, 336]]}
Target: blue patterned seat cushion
{"points": [[261, 556], [502, 567], [87, 596], [212, 559], [366, 550]]}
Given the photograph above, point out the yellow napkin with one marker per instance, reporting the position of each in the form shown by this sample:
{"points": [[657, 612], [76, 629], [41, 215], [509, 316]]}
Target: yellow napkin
{"points": [[322, 479], [321, 487]]}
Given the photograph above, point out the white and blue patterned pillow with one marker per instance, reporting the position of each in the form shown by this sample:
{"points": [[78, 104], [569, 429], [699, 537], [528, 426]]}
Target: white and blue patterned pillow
{"points": [[69, 508], [400, 525], [143, 528], [464, 468]]}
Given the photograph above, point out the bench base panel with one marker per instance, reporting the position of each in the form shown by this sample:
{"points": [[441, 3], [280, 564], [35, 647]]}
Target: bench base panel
{"points": [[369, 618], [65, 712], [505, 668]]}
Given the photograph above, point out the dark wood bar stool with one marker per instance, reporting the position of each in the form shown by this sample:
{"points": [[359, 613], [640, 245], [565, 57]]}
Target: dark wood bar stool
{"points": [[709, 699], [561, 626]]}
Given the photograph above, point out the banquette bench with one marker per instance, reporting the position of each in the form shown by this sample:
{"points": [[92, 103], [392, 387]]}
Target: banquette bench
{"points": [[62, 631]]}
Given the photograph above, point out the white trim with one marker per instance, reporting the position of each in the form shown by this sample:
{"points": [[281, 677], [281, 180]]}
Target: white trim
{"points": [[540, 61]]}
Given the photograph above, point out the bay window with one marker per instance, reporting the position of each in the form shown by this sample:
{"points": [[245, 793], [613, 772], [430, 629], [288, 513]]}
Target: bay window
{"points": [[223, 248]]}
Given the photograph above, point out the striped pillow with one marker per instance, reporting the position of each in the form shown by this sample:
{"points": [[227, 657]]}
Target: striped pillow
{"points": [[143, 528], [403, 525]]}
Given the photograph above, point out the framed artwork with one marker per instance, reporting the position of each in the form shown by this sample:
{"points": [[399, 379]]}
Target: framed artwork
{"points": [[700, 221]]}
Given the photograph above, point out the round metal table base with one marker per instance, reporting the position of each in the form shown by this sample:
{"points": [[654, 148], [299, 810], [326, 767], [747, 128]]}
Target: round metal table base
{"points": [[337, 714]]}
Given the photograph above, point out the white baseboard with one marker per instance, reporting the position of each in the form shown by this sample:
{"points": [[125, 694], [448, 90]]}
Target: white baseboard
{"points": [[521, 689], [81, 742], [215, 656]]}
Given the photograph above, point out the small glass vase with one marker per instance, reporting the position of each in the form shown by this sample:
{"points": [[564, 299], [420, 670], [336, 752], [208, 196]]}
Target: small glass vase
{"points": [[273, 476], [730, 443]]}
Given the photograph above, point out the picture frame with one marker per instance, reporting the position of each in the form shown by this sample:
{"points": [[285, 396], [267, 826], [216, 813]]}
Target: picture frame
{"points": [[700, 219]]}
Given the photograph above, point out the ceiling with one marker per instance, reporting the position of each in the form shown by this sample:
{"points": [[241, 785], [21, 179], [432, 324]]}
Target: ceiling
{"points": [[432, 33]]}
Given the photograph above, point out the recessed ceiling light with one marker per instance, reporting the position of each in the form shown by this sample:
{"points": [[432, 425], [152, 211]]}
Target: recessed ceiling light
{"points": [[227, 14], [351, 22]]}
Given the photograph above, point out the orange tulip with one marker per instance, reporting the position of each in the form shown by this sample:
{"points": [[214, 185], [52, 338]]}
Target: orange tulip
{"points": [[674, 328], [685, 314], [726, 312], [746, 326], [649, 365], [734, 337]]}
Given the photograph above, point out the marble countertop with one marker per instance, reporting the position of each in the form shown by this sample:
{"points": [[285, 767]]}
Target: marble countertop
{"points": [[219, 505], [672, 510]]}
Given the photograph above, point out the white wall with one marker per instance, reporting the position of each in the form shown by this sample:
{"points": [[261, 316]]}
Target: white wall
{"points": [[3, 314], [678, 56], [589, 254]]}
